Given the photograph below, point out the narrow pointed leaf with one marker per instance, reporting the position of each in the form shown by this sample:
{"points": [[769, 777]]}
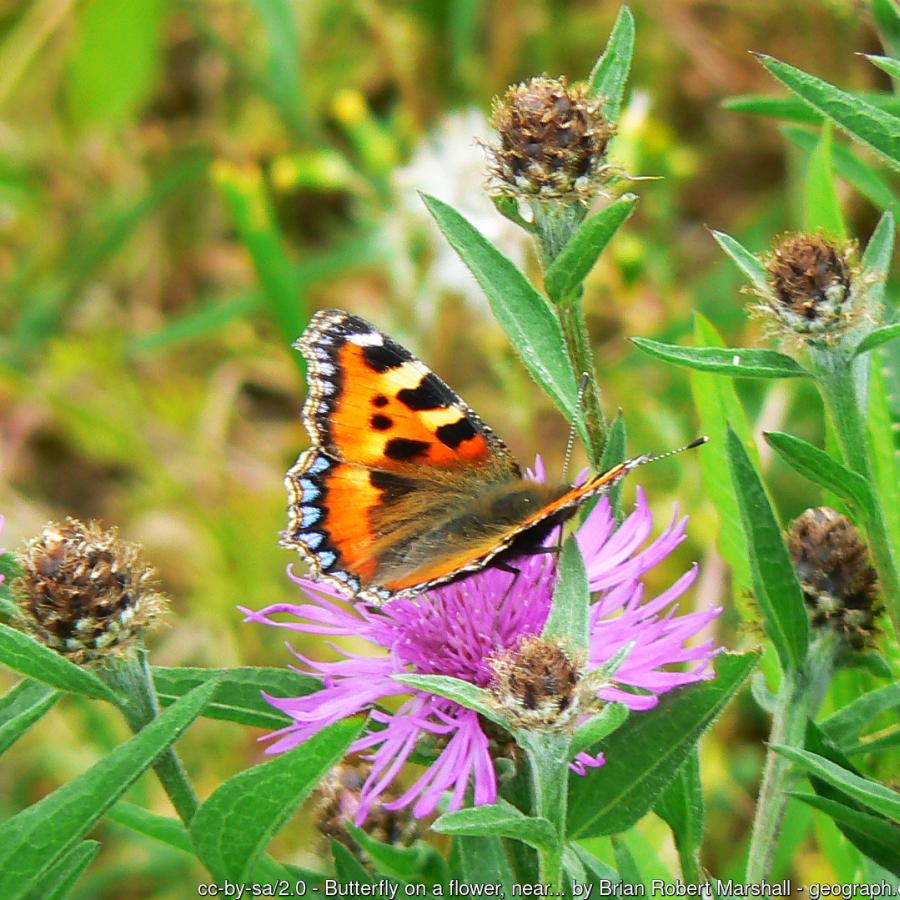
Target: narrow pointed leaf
{"points": [[822, 469], [233, 827], [522, 312], [876, 260], [866, 179], [613, 453], [238, 697], [847, 723], [35, 838], [681, 806], [610, 73], [170, 832], [860, 119], [26, 656], [569, 614], [738, 362], [58, 881], [575, 261], [419, 863], [774, 580], [744, 260], [483, 860], [21, 707], [611, 717], [885, 63], [871, 794], [887, 23], [347, 867], [795, 110], [878, 337], [645, 754], [501, 819], [463, 692], [823, 211]]}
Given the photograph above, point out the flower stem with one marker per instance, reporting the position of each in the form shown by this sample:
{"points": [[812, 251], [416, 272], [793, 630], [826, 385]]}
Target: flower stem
{"points": [[798, 699], [834, 377], [548, 760], [131, 678]]}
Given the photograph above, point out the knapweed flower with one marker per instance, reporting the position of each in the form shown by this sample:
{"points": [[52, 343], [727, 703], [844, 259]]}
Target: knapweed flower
{"points": [[840, 586], [811, 293], [462, 629], [84, 592]]}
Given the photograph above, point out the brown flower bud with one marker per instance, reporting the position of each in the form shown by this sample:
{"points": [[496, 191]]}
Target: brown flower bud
{"points": [[535, 684], [84, 592], [839, 584], [811, 280], [553, 140]]}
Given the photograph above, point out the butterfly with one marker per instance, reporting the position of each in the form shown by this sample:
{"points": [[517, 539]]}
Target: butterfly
{"points": [[404, 488]]}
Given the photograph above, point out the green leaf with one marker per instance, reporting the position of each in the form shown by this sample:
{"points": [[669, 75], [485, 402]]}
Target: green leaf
{"points": [[482, 860], [575, 261], [822, 209], [774, 580], [610, 72], [26, 656], [233, 827], [885, 63], [500, 819], [238, 697], [611, 717], [794, 110], [861, 175], [681, 806], [150, 824], [746, 261], [35, 838], [645, 754], [463, 692], [859, 118], [626, 863], [887, 21], [524, 314], [869, 793], [21, 707], [245, 194], [569, 614], [845, 725], [347, 867], [59, 879], [419, 863], [597, 870], [116, 60], [876, 260], [882, 451], [822, 469], [738, 362], [861, 828], [877, 337], [718, 404], [613, 454]]}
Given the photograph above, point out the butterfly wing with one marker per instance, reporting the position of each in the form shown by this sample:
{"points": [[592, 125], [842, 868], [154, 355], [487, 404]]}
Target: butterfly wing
{"points": [[390, 443]]}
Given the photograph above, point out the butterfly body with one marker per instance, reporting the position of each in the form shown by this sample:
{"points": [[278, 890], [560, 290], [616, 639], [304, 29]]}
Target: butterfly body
{"points": [[404, 488]]}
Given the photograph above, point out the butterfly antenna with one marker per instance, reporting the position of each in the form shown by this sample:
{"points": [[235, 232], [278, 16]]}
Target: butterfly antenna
{"points": [[570, 443], [649, 458]]}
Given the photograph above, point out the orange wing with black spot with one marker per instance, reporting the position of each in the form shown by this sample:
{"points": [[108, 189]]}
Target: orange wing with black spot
{"points": [[390, 441]]}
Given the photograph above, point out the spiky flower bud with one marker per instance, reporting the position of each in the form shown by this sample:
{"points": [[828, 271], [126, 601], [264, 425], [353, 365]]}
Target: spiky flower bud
{"points": [[811, 284], [536, 685], [340, 801], [839, 584], [552, 141], [84, 592]]}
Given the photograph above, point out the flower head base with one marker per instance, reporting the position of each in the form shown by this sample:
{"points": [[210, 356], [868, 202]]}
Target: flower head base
{"points": [[811, 284], [463, 629], [535, 684], [839, 584], [553, 140], [84, 592]]}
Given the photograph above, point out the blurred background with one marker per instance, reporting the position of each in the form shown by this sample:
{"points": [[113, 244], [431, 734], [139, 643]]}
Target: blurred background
{"points": [[183, 182]]}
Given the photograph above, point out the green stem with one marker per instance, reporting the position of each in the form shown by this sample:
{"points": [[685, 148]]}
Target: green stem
{"points": [[834, 377], [571, 317], [798, 700], [548, 761], [689, 859], [131, 678]]}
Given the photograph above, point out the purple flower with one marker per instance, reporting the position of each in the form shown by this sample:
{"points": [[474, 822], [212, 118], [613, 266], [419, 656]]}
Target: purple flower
{"points": [[457, 629]]}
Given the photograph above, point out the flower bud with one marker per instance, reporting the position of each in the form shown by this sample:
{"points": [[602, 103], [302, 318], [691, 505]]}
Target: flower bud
{"points": [[552, 141], [84, 592], [839, 584], [811, 282], [535, 684]]}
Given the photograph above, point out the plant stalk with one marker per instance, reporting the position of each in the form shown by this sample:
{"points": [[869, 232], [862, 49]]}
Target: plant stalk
{"points": [[131, 678], [835, 381], [797, 701]]}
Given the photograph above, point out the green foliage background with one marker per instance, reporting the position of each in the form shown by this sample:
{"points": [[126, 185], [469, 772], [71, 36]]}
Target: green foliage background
{"points": [[183, 181]]}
